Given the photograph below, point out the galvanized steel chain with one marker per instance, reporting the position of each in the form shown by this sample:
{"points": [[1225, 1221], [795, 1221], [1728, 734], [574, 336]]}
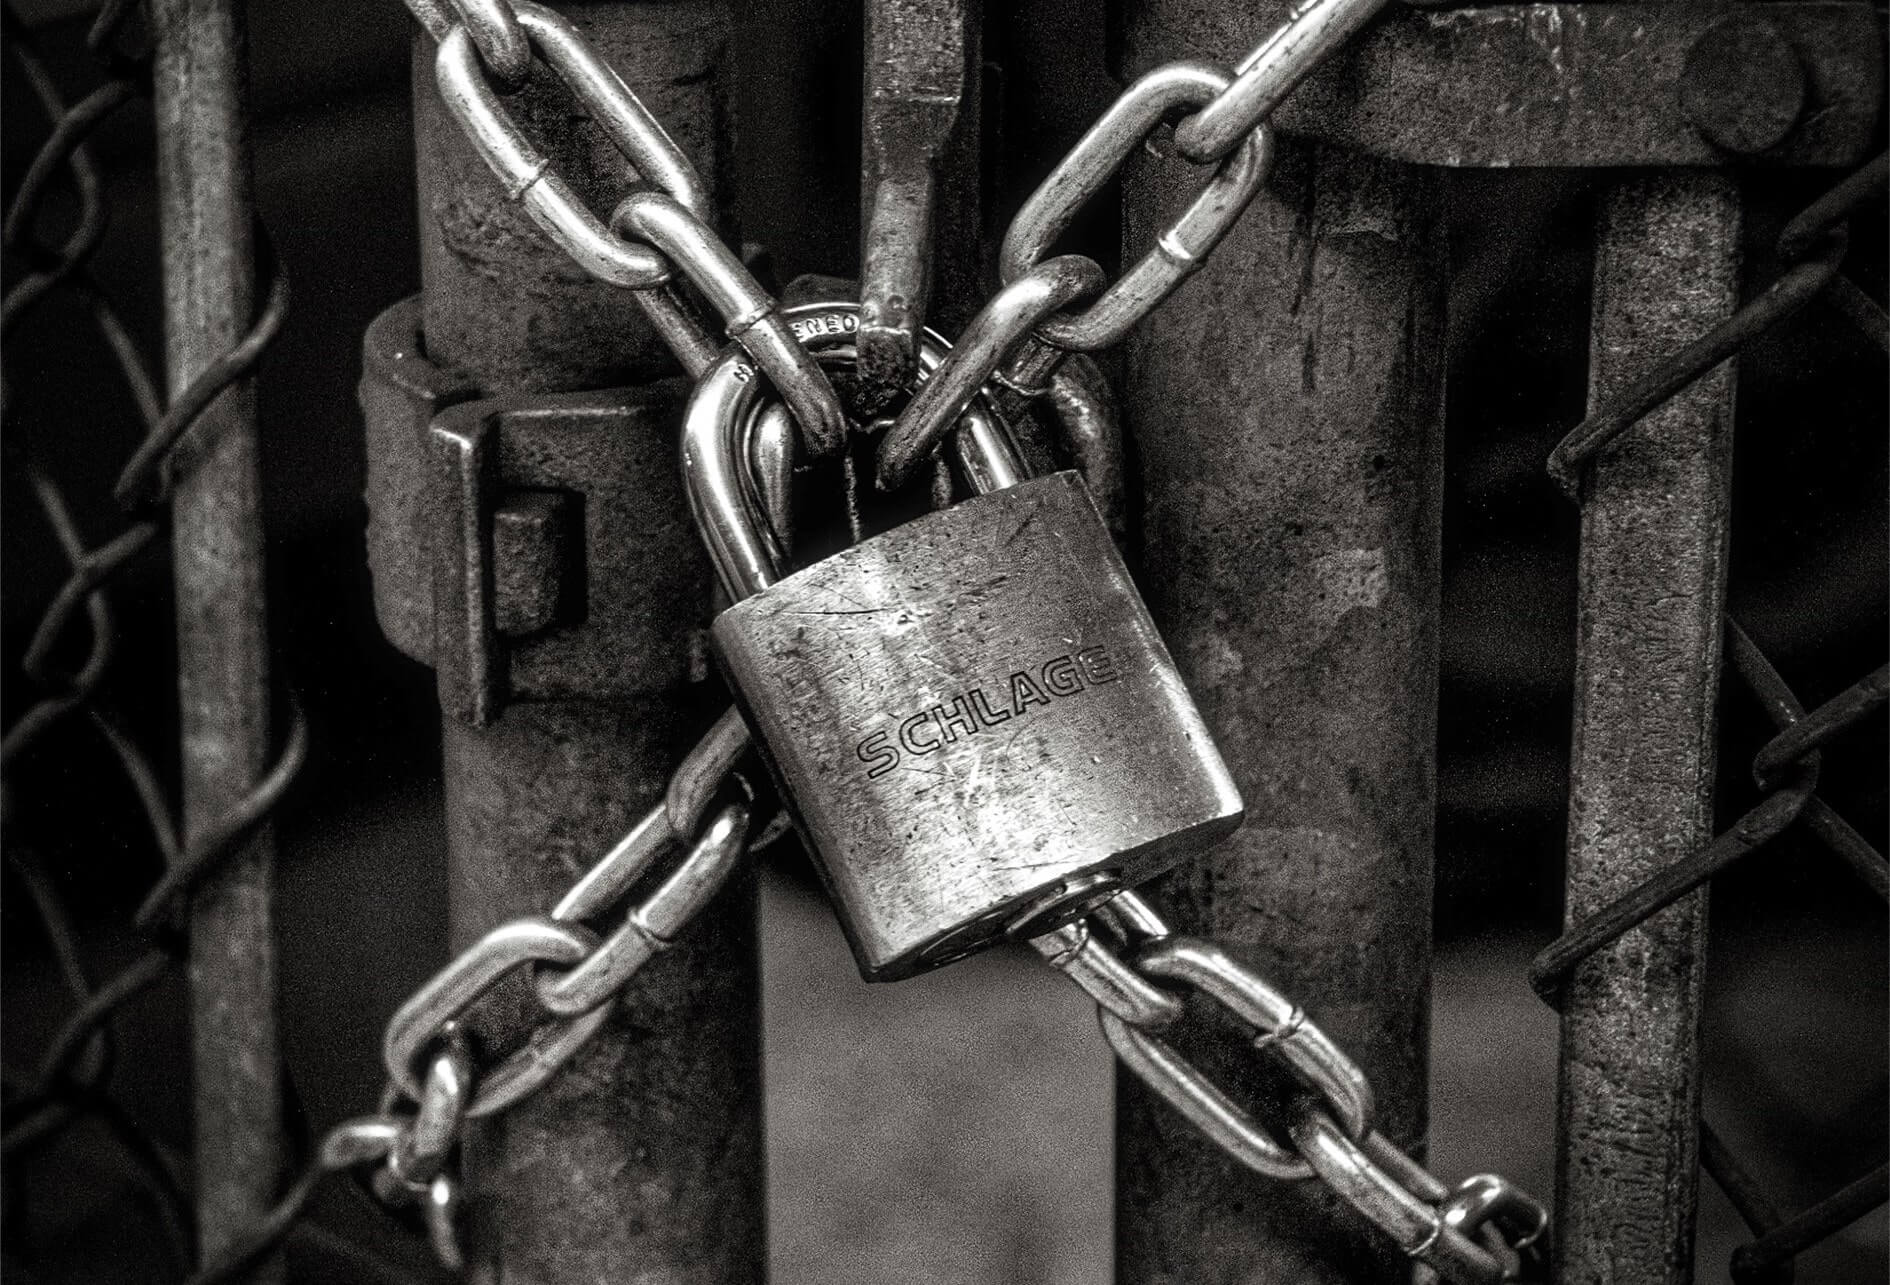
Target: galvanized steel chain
{"points": [[1485, 1229], [1026, 330], [658, 230], [435, 1082]]}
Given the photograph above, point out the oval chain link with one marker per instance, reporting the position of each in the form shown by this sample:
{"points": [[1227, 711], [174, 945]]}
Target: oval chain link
{"points": [[578, 1000], [1263, 79], [1093, 162], [527, 174], [1484, 1231], [751, 315], [1001, 327], [493, 27]]}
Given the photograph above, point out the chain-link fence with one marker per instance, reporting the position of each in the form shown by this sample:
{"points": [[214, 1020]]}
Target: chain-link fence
{"points": [[58, 212]]}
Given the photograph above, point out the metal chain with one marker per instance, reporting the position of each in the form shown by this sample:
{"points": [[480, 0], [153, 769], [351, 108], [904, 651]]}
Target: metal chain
{"points": [[577, 975], [1483, 1230], [436, 1083], [675, 222], [1014, 340]]}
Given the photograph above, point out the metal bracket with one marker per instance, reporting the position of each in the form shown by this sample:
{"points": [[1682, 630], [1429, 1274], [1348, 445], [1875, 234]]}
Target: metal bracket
{"points": [[532, 547], [1583, 85]]}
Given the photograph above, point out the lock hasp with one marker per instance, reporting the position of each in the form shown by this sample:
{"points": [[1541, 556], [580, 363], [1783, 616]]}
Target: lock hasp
{"points": [[971, 712]]}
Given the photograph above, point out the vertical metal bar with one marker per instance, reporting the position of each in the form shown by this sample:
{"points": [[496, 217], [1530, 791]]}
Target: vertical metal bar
{"points": [[206, 217], [1287, 408], [642, 1159], [919, 181], [1652, 585]]}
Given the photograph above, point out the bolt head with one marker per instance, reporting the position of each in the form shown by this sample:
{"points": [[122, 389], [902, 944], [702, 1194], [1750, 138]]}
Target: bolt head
{"points": [[1742, 85]]}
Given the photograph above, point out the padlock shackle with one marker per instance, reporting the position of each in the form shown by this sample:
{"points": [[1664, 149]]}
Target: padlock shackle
{"points": [[715, 433]]}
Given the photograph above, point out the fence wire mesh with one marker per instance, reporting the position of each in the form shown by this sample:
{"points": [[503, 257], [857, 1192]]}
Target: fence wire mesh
{"points": [[1786, 767], [57, 216]]}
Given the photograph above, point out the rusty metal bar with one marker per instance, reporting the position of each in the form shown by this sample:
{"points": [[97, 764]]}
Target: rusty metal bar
{"points": [[919, 188], [1594, 84], [1287, 407], [206, 214], [642, 1159], [1652, 586]]}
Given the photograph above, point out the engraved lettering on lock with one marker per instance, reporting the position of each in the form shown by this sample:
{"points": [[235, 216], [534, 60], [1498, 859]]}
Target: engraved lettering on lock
{"points": [[882, 757], [909, 734], [823, 326], [1025, 692], [973, 711], [1098, 665], [986, 715], [1060, 677], [957, 714]]}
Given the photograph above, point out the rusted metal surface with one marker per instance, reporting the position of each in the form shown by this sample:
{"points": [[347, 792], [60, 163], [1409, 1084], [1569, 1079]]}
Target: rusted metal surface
{"points": [[597, 474], [642, 1159], [531, 547], [1742, 85], [1287, 406], [919, 181], [519, 312], [206, 214], [1652, 583], [1581, 85], [400, 392]]}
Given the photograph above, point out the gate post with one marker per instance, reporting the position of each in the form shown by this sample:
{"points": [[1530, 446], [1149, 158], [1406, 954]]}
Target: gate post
{"points": [[1651, 589], [1287, 406], [206, 214], [641, 1159]]}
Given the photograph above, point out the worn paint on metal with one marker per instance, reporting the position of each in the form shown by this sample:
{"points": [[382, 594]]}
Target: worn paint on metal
{"points": [[1286, 404], [1651, 589]]}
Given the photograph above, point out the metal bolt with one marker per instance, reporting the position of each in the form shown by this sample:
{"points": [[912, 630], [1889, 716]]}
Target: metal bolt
{"points": [[1742, 85]]}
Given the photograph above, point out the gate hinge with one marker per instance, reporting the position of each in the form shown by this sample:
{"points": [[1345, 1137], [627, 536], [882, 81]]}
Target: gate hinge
{"points": [[533, 547]]}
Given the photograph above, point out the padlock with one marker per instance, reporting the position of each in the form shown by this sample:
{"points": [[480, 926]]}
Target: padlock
{"points": [[972, 718]]}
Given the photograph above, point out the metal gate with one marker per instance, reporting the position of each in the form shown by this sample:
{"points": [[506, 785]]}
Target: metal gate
{"points": [[1298, 415]]}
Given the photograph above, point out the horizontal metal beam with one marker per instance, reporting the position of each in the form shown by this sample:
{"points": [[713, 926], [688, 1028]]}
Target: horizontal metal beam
{"points": [[1584, 85]]}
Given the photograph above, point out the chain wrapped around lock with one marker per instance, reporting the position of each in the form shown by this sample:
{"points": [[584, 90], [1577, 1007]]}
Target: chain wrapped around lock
{"points": [[1056, 648]]}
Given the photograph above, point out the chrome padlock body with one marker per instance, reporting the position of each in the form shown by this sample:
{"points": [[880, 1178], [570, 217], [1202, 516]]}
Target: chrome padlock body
{"points": [[972, 716]]}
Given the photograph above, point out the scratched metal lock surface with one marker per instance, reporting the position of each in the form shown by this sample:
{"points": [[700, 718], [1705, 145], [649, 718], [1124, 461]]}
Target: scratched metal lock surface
{"points": [[977, 722]]}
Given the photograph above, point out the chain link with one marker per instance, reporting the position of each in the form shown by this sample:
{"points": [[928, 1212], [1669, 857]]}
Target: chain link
{"points": [[577, 977], [1264, 78], [1094, 162], [1228, 129], [678, 216], [1483, 1230]]}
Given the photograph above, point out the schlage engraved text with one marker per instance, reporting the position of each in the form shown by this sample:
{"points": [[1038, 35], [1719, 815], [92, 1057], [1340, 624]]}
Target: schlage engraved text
{"points": [[977, 710]]}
